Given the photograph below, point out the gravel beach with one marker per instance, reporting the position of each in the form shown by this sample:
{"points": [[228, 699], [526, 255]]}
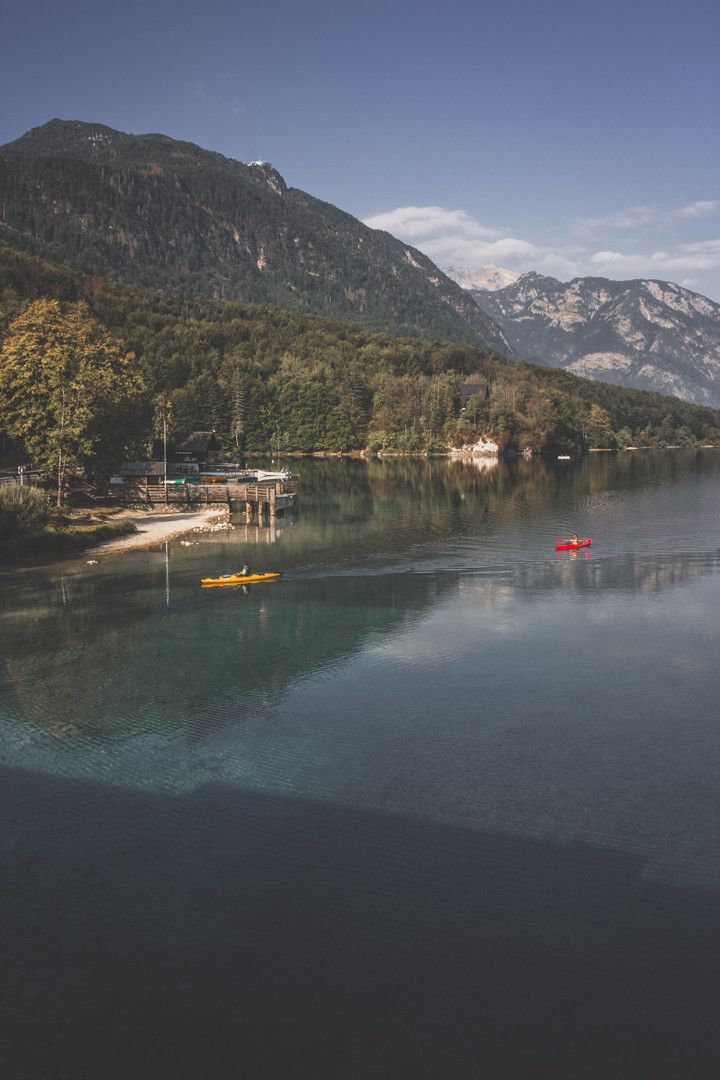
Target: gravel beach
{"points": [[156, 528]]}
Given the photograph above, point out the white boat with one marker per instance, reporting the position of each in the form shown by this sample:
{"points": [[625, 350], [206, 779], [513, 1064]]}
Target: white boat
{"points": [[282, 474], [219, 476], [563, 457], [223, 474]]}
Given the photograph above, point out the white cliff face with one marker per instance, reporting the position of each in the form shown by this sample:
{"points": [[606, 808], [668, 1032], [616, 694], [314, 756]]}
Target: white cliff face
{"points": [[488, 277], [483, 448], [651, 335], [266, 171]]}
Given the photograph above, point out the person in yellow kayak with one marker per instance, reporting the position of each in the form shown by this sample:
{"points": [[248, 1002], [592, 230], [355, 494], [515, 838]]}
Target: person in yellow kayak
{"points": [[244, 571]]}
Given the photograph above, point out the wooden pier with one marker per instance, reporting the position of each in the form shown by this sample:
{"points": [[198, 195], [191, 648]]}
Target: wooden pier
{"points": [[255, 500]]}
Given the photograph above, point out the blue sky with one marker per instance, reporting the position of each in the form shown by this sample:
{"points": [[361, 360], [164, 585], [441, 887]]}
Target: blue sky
{"points": [[571, 138]]}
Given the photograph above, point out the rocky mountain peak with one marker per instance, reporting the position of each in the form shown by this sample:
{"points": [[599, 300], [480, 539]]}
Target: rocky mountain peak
{"points": [[650, 335], [270, 175], [489, 277]]}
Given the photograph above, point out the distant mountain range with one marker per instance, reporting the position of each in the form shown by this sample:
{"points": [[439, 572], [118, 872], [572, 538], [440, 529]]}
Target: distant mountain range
{"points": [[488, 277], [645, 334], [151, 211]]}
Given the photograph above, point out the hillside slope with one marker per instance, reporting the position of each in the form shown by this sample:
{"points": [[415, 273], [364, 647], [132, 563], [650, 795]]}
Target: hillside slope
{"points": [[152, 211]]}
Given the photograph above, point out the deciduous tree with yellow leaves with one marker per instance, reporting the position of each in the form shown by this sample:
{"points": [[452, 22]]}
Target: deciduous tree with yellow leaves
{"points": [[67, 387]]}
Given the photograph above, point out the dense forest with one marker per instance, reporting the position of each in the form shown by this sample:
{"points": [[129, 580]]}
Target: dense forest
{"points": [[265, 378], [151, 211]]}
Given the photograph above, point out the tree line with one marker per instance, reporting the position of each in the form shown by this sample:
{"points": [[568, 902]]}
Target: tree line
{"points": [[88, 370]]}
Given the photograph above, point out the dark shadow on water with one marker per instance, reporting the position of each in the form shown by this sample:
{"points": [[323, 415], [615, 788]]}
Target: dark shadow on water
{"points": [[226, 933]]}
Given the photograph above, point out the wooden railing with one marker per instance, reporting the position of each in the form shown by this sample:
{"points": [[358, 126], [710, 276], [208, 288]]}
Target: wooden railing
{"points": [[276, 495]]}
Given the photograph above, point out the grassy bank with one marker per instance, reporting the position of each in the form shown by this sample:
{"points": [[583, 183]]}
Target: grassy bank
{"points": [[64, 533]]}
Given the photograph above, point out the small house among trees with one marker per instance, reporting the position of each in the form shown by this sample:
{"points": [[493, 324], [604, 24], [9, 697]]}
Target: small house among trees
{"points": [[187, 455], [198, 446]]}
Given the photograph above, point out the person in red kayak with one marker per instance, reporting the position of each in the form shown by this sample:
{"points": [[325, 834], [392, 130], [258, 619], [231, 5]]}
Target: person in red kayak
{"points": [[574, 539]]}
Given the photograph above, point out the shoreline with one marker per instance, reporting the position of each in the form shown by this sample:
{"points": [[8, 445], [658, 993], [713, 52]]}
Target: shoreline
{"points": [[155, 529]]}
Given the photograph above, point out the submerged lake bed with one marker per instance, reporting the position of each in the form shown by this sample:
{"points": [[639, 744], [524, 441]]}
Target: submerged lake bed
{"points": [[440, 802]]}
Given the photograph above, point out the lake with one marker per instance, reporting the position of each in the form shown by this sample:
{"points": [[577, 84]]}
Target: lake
{"points": [[442, 802]]}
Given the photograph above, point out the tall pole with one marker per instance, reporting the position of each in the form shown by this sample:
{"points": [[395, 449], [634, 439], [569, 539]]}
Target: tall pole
{"points": [[165, 456]]}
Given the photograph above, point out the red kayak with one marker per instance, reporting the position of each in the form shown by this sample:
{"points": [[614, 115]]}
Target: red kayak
{"points": [[569, 546]]}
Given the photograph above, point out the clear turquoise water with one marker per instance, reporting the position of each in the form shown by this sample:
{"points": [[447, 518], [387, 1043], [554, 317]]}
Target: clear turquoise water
{"points": [[441, 802]]}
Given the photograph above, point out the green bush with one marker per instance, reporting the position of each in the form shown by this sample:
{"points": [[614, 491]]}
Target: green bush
{"points": [[24, 511], [377, 441]]}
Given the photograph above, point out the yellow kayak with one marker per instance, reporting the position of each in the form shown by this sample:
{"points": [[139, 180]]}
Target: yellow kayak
{"points": [[239, 579]]}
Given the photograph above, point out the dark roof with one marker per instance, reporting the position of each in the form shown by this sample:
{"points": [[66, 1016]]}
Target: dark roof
{"points": [[197, 442], [142, 468]]}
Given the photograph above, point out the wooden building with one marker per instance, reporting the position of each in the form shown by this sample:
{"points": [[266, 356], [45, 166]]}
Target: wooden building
{"points": [[198, 447], [142, 472]]}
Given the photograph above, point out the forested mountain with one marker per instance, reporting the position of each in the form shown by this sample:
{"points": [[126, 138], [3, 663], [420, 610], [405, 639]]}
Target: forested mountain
{"points": [[264, 377], [651, 335], [151, 211]]}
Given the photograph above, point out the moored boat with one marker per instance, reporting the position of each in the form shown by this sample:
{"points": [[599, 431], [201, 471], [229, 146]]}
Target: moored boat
{"points": [[281, 474], [225, 474]]}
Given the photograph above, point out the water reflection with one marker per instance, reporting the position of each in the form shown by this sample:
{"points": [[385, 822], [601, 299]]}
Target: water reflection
{"points": [[133, 644], [242, 532]]}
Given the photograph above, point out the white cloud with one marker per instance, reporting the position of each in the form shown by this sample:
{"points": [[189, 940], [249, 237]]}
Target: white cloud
{"points": [[700, 209], [558, 265], [678, 260], [455, 237], [451, 235], [468, 250], [647, 217], [412, 221]]}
